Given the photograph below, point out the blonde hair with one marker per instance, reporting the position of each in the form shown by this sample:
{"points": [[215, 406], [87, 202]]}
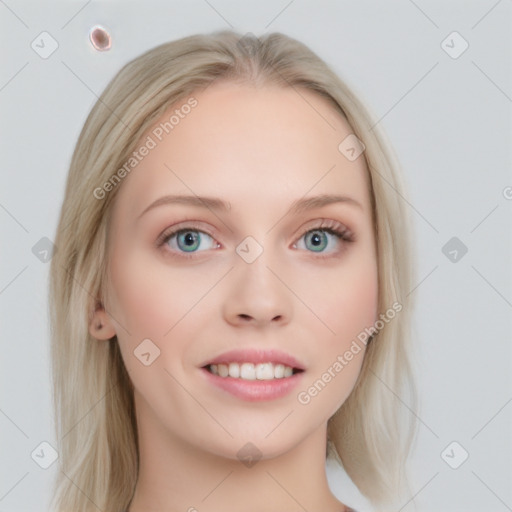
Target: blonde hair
{"points": [[92, 392]]}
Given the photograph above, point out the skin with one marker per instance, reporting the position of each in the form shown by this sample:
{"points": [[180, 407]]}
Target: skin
{"points": [[259, 149]]}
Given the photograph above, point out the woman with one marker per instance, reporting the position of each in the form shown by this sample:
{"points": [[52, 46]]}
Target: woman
{"points": [[229, 295]]}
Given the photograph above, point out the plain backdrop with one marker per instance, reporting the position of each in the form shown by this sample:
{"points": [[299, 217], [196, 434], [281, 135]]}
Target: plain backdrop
{"points": [[444, 100]]}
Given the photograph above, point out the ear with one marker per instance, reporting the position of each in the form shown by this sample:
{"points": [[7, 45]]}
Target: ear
{"points": [[101, 326]]}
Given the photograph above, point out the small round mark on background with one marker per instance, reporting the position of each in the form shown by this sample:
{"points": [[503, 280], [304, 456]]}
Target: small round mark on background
{"points": [[100, 38]]}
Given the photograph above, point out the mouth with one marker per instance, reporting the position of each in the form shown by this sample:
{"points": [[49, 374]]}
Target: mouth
{"points": [[251, 371], [254, 375]]}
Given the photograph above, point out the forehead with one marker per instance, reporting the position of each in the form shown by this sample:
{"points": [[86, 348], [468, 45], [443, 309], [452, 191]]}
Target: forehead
{"points": [[244, 143]]}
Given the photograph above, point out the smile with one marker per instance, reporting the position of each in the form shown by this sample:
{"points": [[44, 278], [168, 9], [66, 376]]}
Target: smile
{"points": [[254, 374], [251, 371]]}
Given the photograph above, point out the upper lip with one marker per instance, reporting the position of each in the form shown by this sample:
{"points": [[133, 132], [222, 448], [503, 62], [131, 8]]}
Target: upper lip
{"points": [[256, 356]]}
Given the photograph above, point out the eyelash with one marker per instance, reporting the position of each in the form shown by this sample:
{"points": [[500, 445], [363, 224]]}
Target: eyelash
{"points": [[329, 226]]}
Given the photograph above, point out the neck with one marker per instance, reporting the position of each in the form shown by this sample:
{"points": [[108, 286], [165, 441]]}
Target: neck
{"points": [[176, 476]]}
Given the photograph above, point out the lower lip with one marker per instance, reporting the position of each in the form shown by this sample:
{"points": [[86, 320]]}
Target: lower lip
{"points": [[255, 390]]}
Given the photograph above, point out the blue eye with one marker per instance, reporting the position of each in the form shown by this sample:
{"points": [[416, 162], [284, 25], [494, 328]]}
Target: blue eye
{"points": [[317, 240], [187, 240]]}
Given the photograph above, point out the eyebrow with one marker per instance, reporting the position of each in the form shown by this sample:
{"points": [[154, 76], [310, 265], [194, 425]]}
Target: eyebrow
{"points": [[213, 203]]}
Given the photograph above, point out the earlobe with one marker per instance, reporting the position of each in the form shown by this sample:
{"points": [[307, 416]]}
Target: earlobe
{"points": [[100, 326]]}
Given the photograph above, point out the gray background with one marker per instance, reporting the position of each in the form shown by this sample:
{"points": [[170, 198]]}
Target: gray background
{"points": [[449, 120]]}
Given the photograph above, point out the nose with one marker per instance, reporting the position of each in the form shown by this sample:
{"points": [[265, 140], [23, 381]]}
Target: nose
{"points": [[256, 296]]}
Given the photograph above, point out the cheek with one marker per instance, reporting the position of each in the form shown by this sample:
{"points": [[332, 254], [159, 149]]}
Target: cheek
{"points": [[348, 299], [347, 303], [152, 297], [358, 300], [151, 302], [164, 304]]}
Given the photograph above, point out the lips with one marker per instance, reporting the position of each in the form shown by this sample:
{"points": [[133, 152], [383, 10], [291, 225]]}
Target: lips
{"points": [[254, 375]]}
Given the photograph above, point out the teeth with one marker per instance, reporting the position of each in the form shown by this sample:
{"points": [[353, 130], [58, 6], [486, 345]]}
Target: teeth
{"points": [[247, 371], [265, 371], [250, 371], [223, 370], [234, 370]]}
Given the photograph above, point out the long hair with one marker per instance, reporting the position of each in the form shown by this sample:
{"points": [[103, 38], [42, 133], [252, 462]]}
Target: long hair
{"points": [[92, 392]]}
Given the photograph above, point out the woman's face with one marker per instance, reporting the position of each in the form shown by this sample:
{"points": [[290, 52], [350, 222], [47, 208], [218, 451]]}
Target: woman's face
{"points": [[256, 275]]}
